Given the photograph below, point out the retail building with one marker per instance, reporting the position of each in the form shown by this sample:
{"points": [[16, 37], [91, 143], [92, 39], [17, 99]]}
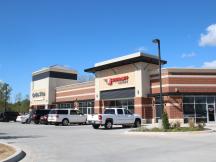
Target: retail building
{"points": [[132, 81]]}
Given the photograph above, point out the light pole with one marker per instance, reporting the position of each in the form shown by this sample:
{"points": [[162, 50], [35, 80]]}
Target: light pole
{"points": [[5, 96], [157, 41]]}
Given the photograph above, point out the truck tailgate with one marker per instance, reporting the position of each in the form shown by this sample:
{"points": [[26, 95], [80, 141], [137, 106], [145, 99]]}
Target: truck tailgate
{"points": [[92, 117]]}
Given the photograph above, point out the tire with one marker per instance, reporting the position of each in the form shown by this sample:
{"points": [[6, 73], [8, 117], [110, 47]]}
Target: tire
{"points": [[108, 124], [137, 123], [36, 122], [95, 126], [65, 122]]}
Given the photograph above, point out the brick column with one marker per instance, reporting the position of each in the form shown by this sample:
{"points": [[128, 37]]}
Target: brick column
{"points": [[98, 106], [174, 107], [143, 107]]}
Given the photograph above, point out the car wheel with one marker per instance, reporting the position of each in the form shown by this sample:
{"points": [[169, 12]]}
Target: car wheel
{"points": [[137, 123], [36, 122], [95, 126], [108, 124], [65, 122]]}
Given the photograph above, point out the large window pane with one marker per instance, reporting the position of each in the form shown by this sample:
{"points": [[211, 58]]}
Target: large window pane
{"points": [[188, 99], [200, 99], [130, 102], [200, 120], [112, 104], [188, 110], [124, 102], [118, 103], [131, 109], [84, 110], [201, 110], [210, 99], [201, 113]]}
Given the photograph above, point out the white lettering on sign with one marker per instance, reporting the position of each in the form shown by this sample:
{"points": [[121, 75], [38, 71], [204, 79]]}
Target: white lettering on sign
{"points": [[38, 94]]}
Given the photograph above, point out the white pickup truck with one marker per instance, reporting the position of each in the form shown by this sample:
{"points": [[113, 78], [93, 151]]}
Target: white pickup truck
{"points": [[115, 116]]}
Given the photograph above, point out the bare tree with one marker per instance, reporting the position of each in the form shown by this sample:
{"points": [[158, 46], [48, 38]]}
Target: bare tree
{"points": [[85, 78]]}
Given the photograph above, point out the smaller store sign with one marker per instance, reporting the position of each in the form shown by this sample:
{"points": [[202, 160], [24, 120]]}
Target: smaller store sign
{"points": [[119, 80], [38, 94]]}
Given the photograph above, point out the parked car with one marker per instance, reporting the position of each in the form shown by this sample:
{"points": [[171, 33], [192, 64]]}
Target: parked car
{"points": [[8, 116], [115, 116], [66, 116], [44, 119], [38, 113], [25, 118]]}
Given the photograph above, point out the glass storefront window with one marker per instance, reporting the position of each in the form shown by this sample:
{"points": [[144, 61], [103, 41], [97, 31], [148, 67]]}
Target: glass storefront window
{"points": [[188, 100], [127, 103], [131, 109], [124, 102], [201, 110], [118, 103], [112, 104], [130, 102], [200, 99], [196, 107], [188, 110], [210, 100]]}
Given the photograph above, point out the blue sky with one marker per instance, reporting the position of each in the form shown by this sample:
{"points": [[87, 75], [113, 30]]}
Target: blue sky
{"points": [[78, 33]]}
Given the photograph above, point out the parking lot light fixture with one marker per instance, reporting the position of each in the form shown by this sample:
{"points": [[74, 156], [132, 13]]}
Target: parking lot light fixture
{"points": [[157, 41]]}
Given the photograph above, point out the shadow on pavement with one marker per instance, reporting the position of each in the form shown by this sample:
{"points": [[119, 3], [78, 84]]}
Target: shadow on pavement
{"points": [[17, 137], [116, 128]]}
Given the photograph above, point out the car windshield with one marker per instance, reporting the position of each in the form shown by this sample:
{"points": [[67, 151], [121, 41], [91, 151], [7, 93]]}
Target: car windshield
{"points": [[53, 112], [109, 111]]}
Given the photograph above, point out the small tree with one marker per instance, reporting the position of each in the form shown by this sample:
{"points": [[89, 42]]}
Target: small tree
{"points": [[165, 121]]}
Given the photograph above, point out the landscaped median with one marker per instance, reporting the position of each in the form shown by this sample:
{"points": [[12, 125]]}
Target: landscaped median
{"points": [[173, 129], [9, 153]]}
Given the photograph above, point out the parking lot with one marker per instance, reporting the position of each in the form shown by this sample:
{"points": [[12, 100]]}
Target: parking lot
{"points": [[82, 143]]}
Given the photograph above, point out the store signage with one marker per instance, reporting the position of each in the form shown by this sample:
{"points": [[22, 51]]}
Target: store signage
{"points": [[38, 94], [119, 80]]}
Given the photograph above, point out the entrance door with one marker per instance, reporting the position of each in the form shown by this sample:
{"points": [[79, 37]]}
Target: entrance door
{"points": [[211, 112]]}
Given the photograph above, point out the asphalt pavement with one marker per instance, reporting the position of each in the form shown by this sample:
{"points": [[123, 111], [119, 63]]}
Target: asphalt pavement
{"points": [[49, 143]]}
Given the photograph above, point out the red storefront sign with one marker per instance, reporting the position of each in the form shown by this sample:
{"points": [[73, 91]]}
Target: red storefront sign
{"points": [[123, 79]]}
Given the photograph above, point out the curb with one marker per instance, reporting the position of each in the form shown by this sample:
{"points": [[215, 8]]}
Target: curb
{"points": [[19, 154], [169, 133]]}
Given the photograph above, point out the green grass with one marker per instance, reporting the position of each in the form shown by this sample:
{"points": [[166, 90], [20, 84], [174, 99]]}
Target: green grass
{"points": [[180, 129]]}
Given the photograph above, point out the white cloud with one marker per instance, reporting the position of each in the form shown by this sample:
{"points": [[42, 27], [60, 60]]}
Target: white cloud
{"points": [[188, 55], [210, 64], [208, 39], [141, 49]]}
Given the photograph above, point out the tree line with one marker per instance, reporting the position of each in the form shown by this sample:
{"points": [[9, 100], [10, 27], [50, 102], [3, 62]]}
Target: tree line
{"points": [[21, 103]]}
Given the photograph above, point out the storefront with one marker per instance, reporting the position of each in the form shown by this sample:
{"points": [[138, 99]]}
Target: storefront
{"points": [[132, 82], [76, 96], [125, 82]]}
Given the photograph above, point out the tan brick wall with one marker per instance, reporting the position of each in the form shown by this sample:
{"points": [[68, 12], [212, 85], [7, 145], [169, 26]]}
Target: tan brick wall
{"points": [[173, 107], [143, 107], [98, 106]]}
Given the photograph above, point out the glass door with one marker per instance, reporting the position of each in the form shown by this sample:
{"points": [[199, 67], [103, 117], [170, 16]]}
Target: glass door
{"points": [[211, 112]]}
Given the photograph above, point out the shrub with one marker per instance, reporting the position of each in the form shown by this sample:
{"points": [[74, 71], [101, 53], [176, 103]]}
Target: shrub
{"points": [[201, 125], [176, 124], [165, 121], [191, 123]]}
